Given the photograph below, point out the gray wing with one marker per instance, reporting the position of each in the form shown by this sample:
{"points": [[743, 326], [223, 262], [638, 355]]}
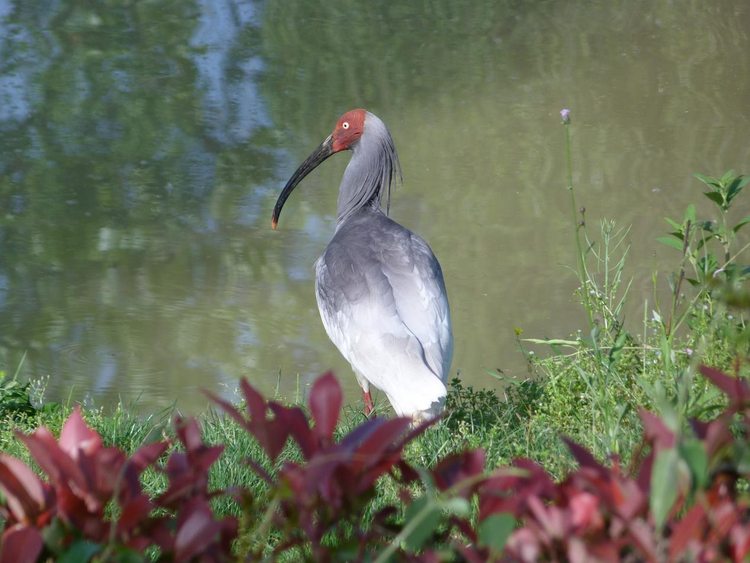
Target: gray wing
{"points": [[383, 303]]}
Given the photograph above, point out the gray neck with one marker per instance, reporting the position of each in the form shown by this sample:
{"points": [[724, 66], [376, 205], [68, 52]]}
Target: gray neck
{"points": [[371, 172]]}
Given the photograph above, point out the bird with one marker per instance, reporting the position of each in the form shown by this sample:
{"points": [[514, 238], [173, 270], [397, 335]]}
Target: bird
{"points": [[379, 287]]}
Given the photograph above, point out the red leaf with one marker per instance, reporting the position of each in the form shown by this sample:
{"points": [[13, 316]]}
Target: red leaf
{"points": [[525, 544], [133, 512], [256, 404], [262, 473], [537, 480], [577, 552], [53, 461], [189, 433], [383, 436], [418, 430], [553, 520], [147, 455], [325, 404], [77, 437], [632, 500], [21, 545], [271, 434], [717, 436], [584, 457], [27, 495], [196, 531], [655, 431], [643, 538], [229, 409], [161, 534], [585, 514], [740, 542], [456, 468], [735, 388], [643, 479], [686, 529], [292, 421], [200, 455], [74, 510], [356, 437]]}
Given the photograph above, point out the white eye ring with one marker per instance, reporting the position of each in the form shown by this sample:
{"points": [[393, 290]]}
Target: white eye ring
{"points": [[345, 125]]}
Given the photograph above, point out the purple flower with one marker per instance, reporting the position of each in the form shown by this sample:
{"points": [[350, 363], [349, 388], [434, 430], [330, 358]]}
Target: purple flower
{"points": [[565, 114]]}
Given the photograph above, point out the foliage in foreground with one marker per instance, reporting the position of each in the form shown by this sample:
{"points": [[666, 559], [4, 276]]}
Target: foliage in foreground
{"points": [[678, 498]]}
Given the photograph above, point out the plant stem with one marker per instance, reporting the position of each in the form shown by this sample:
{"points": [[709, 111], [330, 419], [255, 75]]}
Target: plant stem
{"points": [[579, 252], [676, 291]]}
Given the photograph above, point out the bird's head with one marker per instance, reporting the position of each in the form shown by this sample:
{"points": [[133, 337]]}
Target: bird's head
{"points": [[349, 129]]}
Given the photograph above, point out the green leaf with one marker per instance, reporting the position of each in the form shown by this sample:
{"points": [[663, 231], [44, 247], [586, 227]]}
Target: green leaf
{"points": [[708, 180], [663, 485], [726, 177], [674, 243], [707, 265], [735, 187], [502, 378], [125, 555], [616, 351], [716, 197], [50, 407], [744, 221], [421, 518], [690, 213], [695, 456], [79, 552], [495, 530], [427, 479], [20, 365], [456, 505], [676, 226]]}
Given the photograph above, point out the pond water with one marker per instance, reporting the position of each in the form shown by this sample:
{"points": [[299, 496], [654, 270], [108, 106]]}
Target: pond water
{"points": [[142, 148]]}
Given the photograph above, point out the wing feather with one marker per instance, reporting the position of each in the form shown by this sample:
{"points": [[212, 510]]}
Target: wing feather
{"points": [[383, 303]]}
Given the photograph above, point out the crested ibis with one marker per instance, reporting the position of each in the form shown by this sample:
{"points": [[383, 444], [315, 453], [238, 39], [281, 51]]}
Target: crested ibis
{"points": [[379, 287]]}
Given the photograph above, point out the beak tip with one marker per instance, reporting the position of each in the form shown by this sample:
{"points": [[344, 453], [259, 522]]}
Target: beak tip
{"points": [[274, 222]]}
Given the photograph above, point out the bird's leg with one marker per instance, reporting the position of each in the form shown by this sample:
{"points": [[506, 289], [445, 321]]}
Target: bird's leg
{"points": [[367, 398]]}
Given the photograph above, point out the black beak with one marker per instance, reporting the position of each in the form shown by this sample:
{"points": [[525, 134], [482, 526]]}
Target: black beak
{"points": [[318, 155]]}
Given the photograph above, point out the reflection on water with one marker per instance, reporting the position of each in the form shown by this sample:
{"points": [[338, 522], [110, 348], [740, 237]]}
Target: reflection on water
{"points": [[142, 148]]}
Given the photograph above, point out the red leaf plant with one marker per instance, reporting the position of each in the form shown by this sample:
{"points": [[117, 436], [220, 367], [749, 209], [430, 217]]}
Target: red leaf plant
{"points": [[336, 481], [601, 513], [677, 500], [84, 477]]}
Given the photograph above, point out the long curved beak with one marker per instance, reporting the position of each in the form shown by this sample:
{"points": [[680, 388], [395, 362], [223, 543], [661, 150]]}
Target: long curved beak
{"points": [[318, 155]]}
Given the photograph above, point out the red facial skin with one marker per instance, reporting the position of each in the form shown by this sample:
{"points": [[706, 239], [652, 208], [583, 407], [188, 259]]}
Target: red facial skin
{"points": [[343, 137]]}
